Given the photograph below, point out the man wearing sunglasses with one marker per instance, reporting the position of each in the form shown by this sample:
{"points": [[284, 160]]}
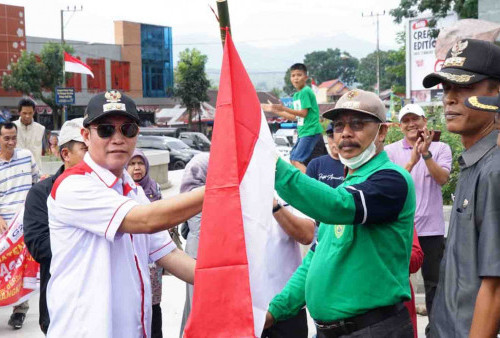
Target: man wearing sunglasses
{"points": [[355, 280], [104, 232]]}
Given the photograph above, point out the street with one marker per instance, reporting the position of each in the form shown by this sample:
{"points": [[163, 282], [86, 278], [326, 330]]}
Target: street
{"points": [[172, 303]]}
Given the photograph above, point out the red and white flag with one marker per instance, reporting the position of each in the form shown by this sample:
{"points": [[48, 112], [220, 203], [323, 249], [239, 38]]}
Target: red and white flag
{"points": [[314, 86], [73, 65], [232, 278], [19, 273]]}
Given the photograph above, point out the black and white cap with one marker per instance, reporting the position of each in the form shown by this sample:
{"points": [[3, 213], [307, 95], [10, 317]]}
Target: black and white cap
{"points": [[110, 102], [467, 62]]}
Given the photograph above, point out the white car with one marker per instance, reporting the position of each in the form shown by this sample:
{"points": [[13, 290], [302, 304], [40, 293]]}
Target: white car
{"points": [[283, 146]]}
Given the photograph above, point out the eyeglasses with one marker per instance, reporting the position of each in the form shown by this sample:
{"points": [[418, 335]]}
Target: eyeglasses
{"points": [[128, 130], [354, 124]]}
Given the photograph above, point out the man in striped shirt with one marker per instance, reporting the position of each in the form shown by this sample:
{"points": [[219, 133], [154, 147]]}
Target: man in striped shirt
{"points": [[18, 172]]}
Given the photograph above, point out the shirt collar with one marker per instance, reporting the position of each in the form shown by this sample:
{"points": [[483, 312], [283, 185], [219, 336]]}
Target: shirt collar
{"points": [[472, 155], [14, 157], [107, 176], [371, 165], [406, 145]]}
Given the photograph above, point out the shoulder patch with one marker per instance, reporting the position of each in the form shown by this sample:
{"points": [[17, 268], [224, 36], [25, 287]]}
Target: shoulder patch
{"points": [[81, 168]]}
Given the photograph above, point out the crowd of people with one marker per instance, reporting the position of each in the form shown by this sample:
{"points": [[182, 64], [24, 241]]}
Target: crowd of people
{"points": [[372, 212]]}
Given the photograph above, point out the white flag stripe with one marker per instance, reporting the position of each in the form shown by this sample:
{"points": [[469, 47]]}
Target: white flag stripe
{"points": [[73, 67], [256, 194]]}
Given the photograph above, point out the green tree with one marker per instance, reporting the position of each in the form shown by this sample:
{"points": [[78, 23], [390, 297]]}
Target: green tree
{"points": [[397, 67], [391, 76], [191, 83], [38, 76], [326, 65], [276, 92], [331, 64], [288, 88], [438, 8]]}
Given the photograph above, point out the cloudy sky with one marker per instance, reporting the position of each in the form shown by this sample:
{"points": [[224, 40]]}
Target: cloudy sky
{"points": [[261, 23]]}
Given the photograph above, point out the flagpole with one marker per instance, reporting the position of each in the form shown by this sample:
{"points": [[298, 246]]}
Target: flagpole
{"points": [[224, 23]]}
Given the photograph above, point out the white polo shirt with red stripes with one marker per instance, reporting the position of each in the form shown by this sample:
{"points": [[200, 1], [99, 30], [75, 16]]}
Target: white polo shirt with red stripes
{"points": [[99, 284]]}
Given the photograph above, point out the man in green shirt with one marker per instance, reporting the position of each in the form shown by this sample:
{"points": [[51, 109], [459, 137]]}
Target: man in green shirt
{"points": [[306, 111], [354, 280]]}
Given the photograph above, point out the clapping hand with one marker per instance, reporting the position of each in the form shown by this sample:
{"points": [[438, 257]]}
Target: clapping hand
{"points": [[423, 146]]}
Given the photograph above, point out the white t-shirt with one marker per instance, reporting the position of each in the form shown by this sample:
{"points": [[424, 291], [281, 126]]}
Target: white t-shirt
{"points": [[283, 266], [100, 284]]}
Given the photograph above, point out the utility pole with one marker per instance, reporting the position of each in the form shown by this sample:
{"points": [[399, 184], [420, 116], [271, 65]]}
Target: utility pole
{"points": [[74, 9], [378, 49]]}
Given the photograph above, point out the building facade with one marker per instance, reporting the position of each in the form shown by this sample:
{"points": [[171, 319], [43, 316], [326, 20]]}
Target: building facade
{"points": [[139, 63], [12, 39]]}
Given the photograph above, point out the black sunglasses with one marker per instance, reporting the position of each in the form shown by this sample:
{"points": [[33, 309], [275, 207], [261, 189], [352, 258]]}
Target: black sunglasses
{"points": [[128, 130]]}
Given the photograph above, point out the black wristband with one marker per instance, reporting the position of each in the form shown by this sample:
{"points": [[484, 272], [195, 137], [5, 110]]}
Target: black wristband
{"points": [[429, 155], [276, 208]]}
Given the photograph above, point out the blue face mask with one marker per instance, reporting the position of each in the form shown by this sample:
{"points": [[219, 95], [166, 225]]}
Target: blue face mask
{"points": [[366, 155]]}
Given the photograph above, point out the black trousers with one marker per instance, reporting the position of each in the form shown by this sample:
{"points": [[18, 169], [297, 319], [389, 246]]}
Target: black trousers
{"points": [[156, 322], [433, 247], [396, 326], [295, 327]]}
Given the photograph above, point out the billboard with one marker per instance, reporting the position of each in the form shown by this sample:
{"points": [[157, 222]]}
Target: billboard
{"points": [[420, 57]]}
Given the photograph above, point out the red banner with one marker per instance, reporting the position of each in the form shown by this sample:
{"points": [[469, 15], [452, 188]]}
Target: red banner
{"points": [[19, 273]]}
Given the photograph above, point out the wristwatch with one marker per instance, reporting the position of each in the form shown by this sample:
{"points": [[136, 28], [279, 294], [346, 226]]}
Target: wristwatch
{"points": [[428, 156], [276, 208]]}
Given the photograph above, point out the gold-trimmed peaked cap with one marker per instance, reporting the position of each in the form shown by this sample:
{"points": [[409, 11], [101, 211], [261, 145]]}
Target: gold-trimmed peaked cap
{"points": [[107, 103], [485, 103], [360, 101], [467, 62]]}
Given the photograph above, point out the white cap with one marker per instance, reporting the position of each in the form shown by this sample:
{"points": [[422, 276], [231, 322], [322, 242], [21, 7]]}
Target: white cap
{"points": [[411, 108], [71, 131]]}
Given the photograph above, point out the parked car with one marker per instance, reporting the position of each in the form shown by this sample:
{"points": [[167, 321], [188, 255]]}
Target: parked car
{"points": [[195, 140], [290, 134], [283, 145], [162, 131], [180, 153]]}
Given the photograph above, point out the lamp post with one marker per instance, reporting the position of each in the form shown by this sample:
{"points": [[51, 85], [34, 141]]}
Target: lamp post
{"points": [[378, 50], [74, 9]]}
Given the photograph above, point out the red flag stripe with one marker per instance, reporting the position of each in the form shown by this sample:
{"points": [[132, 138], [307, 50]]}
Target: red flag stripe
{"points": [[222, 301], [70, 58]]}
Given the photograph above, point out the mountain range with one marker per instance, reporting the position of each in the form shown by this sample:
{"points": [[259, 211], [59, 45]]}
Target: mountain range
{"points": [[267, 65]]}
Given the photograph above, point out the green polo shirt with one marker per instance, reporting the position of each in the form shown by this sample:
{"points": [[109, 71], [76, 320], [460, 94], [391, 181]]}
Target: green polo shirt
{"points": [[361, 259], [309, 125]]}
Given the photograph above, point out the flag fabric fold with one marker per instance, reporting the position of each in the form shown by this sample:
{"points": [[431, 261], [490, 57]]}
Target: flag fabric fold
{"points": [[73, 65], [314, 86], [19, 273], [231, 292]]}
